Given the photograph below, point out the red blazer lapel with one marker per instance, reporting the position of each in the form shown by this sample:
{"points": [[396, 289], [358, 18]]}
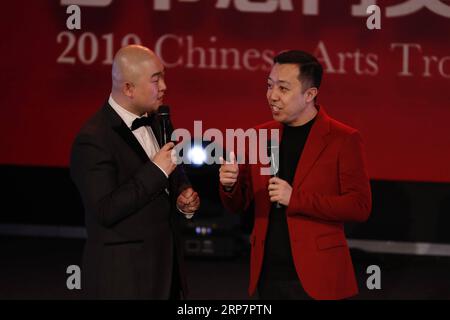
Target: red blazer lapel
{"points": [[315, 144]]}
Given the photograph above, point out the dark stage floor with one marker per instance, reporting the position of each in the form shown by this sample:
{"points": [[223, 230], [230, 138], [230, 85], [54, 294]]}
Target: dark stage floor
{"points": [[35, 268]]}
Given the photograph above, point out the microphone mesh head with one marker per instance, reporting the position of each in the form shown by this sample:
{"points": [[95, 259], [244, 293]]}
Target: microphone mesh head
{"points": [[164, 110]]}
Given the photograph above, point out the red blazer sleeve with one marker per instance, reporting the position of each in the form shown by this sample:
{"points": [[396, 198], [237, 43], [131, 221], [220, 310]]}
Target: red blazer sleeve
{"points": [[239, 198], [353, 203]]}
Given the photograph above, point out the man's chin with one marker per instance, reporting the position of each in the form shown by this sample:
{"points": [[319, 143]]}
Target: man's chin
{"points": [[277, 117], [153, 109], [159, 104]]}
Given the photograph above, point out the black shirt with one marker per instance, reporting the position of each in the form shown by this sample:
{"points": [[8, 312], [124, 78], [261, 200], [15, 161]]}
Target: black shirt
{"points": [[278, 263]]}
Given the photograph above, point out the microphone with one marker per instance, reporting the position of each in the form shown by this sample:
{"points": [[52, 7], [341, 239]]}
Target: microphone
{"points": [[274, 155], [165, 125], [166, 130]]}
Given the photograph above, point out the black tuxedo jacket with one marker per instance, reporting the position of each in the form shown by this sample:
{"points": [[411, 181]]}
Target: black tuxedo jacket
{"points": [[131, 221]]}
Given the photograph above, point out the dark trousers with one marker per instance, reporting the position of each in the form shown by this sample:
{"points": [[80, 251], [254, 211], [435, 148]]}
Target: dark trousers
{"points": [[175, 287], [270, 289]]}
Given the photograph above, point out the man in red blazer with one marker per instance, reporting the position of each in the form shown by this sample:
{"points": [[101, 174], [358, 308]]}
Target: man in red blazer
{"points": [[298, 245]]}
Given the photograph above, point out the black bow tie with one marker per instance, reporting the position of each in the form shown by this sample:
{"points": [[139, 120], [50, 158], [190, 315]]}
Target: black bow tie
{"points": [[139, 122]]}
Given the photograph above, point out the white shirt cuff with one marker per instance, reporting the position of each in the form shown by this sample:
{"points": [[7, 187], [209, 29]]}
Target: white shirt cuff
{"points": [[167, 176], [186, 215]]}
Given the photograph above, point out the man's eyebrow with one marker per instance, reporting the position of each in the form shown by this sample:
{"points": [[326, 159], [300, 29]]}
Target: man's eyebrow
{"points": [[158, 74], [280, 81], [284, 82]]}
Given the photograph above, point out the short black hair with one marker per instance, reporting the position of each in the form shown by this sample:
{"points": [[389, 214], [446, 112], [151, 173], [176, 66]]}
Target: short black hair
{"points": [[310, 69]]}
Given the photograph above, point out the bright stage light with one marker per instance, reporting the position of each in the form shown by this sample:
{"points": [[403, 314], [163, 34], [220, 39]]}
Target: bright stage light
{"points": [[197, 155]]}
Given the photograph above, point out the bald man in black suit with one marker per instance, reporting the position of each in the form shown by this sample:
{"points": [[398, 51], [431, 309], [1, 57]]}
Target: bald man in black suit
{"points": [[132, 191]]}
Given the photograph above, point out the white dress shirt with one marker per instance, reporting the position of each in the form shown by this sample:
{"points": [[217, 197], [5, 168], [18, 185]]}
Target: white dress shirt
{"points": [[144, 135]]}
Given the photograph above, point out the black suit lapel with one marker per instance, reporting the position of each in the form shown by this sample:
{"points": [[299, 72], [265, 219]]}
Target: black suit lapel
{"points": [[156, 129], [131, 140], [124, 132], [127, 135]]}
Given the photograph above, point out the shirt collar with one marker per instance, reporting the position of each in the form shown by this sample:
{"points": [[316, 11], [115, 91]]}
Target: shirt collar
{"points": [[127, 116]]}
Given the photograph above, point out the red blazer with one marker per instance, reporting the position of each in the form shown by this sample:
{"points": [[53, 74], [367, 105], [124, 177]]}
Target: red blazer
{"points": [[330, 187]]}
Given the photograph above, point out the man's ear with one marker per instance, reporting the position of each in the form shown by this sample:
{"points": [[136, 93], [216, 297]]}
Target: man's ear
{"points": [[311, 94], [128, 89]]}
